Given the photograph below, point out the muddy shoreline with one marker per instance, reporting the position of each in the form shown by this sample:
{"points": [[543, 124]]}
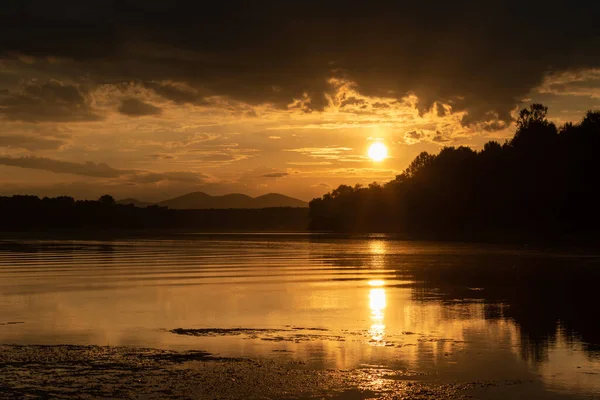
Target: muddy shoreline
{"points": [[69, 371]]}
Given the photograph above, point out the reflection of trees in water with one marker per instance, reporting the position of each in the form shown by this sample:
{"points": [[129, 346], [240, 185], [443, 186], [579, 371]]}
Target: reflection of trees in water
{"points": [[545, 296]]}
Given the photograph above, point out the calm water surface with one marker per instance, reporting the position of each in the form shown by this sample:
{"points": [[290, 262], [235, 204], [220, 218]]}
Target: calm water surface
{"points": [[451, 311]]}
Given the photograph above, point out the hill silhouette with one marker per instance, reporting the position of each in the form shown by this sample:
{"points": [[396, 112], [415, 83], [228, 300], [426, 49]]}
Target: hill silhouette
{"points": [[135, 202], [540, 184], [277, 200], [200, 200]]}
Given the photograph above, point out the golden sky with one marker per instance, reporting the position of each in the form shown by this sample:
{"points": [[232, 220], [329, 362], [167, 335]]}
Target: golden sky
{"points": [[151, 102]]}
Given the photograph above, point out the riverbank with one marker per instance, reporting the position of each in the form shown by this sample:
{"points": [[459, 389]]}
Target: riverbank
{"points": [[123, 372]]}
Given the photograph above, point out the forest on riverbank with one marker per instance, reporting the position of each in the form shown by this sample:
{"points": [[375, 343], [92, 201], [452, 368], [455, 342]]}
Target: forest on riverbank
{"points": [[542, 182], [34, 214]]}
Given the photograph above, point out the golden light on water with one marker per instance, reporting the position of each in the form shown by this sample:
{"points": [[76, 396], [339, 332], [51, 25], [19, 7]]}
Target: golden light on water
{"points": [[378, 152], [377, 247], [377, 297], [377, 251], [377, 304]]}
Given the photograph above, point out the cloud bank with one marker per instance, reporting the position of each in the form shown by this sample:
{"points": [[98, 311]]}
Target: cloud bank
{"points": [[101, 170], [477, 57]]}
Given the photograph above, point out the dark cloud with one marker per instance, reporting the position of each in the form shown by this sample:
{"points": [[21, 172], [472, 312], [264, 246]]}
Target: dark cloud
{"points": [[380, 105], [153, 177], [30, 142], [476, 56], [51, 101], [137, 108], [439, 138], [101, 170], [275, 175], [441, 111], [174, 93], [352, 101], [492, 126], [413, 135]]}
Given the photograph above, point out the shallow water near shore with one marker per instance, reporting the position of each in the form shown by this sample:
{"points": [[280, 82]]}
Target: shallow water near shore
{"points": [[425, 311]]}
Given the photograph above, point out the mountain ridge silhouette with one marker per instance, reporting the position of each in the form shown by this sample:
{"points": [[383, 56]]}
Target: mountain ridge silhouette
{"points": [[201, 200]]}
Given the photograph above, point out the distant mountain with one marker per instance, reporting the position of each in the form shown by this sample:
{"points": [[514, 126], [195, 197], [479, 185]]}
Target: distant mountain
{"points": [[277, 200], [135, 202], [200, 200]]}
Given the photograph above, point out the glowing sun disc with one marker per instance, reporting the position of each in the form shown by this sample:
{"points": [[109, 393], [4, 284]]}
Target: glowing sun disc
{"points": [[378, 151]]}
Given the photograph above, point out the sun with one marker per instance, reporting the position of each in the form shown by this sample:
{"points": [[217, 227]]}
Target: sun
{"points": [[378, 151]]}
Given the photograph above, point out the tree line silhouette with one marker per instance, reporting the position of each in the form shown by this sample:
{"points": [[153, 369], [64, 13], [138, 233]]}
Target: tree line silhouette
{"points": [[541, 182], [25, 213]]}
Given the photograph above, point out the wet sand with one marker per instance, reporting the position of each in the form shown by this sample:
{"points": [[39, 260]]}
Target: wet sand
{"points": [[121, 372]]}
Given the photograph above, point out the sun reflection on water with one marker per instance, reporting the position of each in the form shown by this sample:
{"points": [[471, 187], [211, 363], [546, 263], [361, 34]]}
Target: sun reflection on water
{"points": [[377, 247], [376, 282], [377, 304], [377, 298], [377, 251]]}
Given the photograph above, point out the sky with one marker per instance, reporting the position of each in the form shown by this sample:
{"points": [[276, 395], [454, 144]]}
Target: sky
{"points": [[153, 99]]}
